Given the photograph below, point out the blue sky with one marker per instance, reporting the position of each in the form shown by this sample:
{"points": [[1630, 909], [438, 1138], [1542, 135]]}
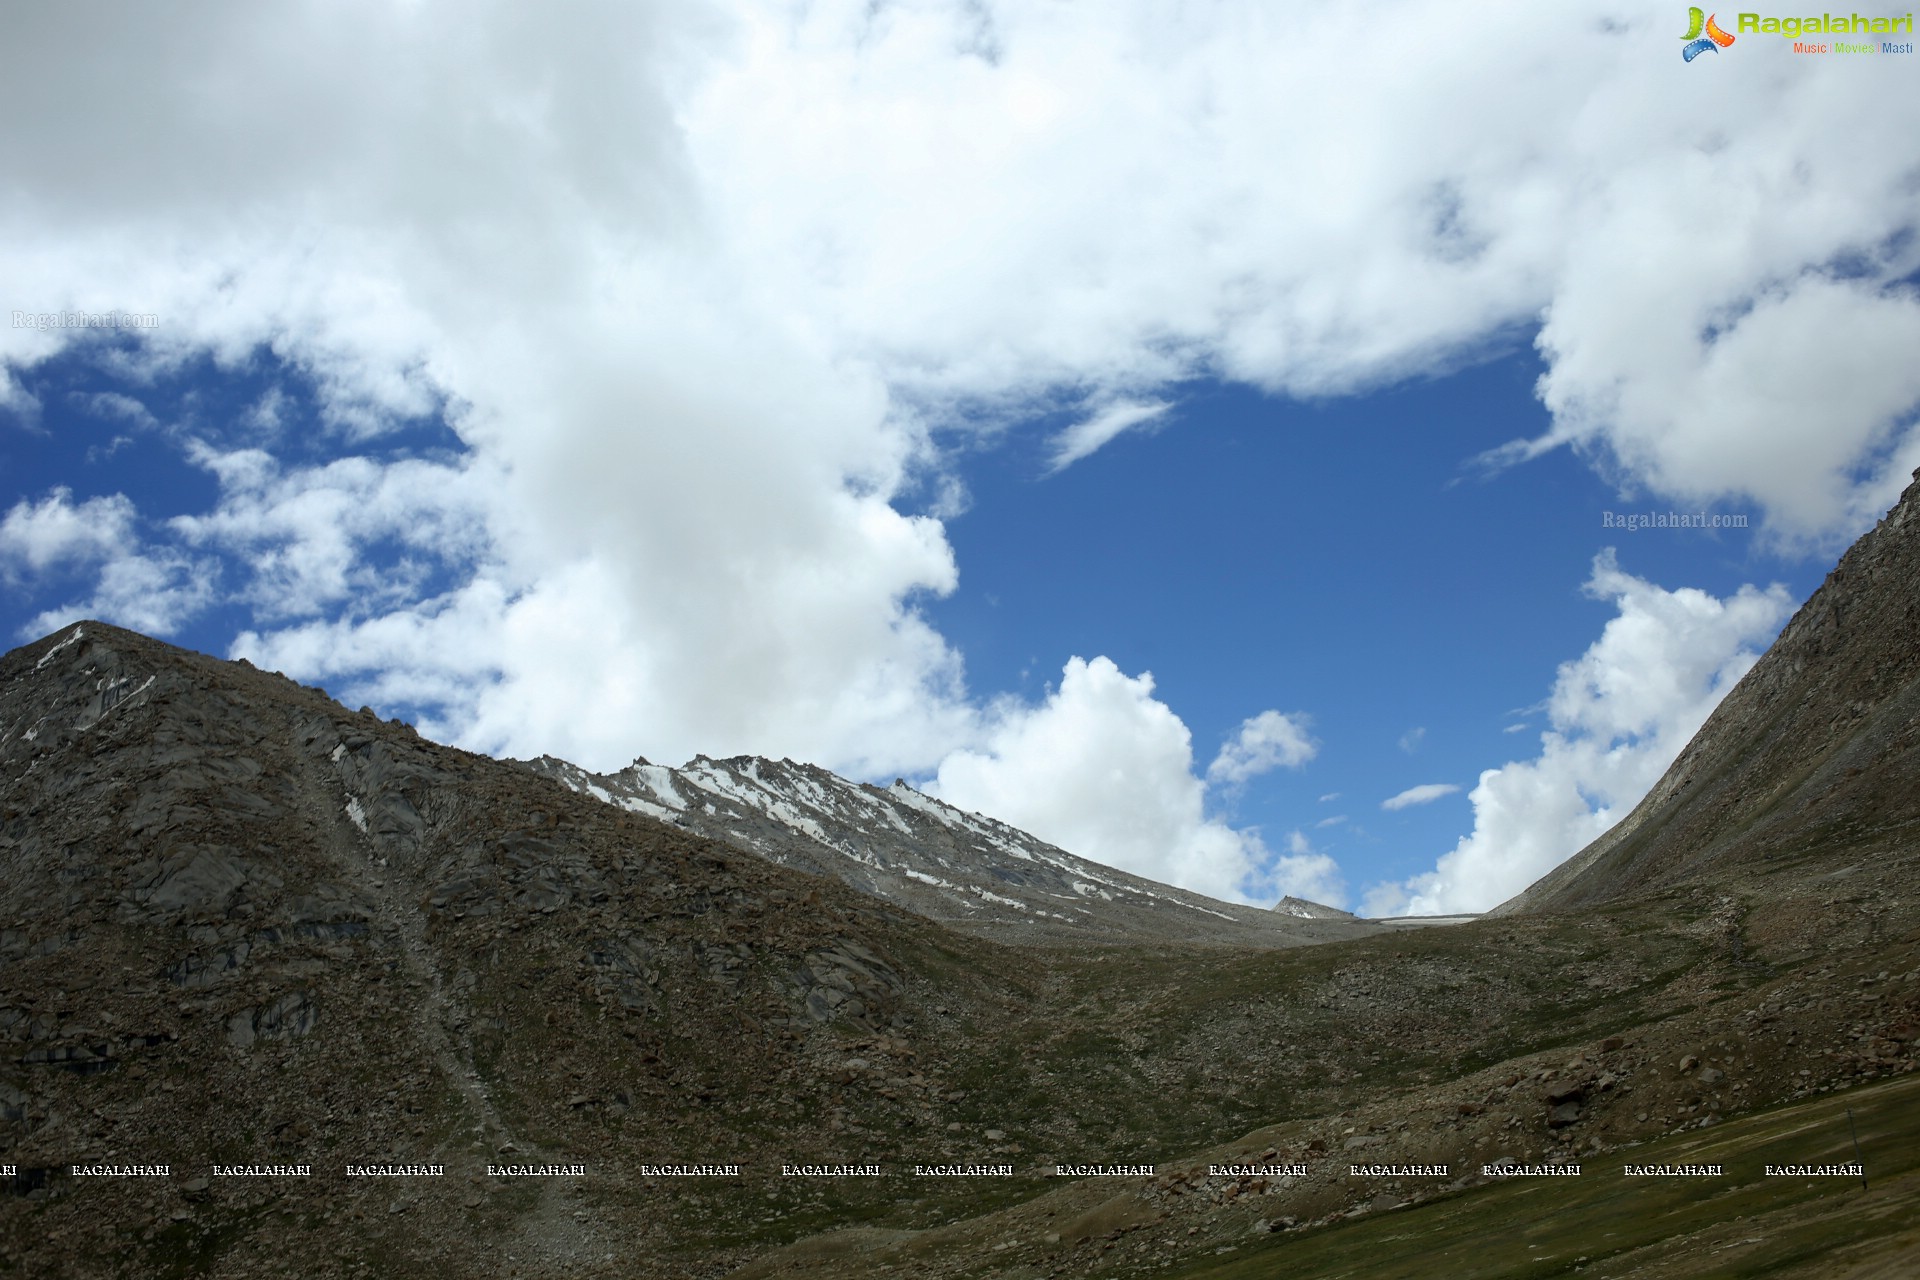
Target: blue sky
{"points": [[1125, 426], [1347, 559]]}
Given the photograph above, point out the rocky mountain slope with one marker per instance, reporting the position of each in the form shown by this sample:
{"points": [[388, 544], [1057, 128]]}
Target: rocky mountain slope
{"points": [[963, 869], [1816, 750]]}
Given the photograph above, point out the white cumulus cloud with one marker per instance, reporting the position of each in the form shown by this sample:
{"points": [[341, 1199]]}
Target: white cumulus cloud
{"points": [[303, 532], [148, 588], [1104, 769], [59, 532], [1620, 713], [1304, 872], [1270, 740]]}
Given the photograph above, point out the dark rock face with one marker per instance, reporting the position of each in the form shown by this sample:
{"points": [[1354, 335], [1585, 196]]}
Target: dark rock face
{"points": [[1817, 748], [244, 924], [286, 1018]]}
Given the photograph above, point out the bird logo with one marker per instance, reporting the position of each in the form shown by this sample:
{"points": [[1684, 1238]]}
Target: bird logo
{"points": [[1712, 41]]}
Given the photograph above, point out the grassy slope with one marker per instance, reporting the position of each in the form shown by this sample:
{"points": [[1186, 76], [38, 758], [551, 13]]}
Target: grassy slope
{"points": [[1605, 1224], [1439, 1045]]}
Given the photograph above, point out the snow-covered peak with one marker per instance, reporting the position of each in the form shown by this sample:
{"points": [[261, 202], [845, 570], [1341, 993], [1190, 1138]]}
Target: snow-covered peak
{"points": [[924, 854]]}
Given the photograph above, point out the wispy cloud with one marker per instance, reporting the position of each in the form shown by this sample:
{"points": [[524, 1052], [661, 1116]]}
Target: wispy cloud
{"points": [[124, 408], [1425, 793], [1083, 438]]}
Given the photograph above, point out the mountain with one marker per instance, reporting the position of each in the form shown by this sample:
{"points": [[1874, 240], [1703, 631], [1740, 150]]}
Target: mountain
{"points": [[1814, 753], [247, 927], [965, 870]]}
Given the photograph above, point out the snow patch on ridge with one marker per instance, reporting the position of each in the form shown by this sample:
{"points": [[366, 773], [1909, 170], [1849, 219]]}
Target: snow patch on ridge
{"points": [[49, 655], [795, 813]]}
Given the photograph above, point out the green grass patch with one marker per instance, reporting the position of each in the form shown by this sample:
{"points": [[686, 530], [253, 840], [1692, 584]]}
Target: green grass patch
{"points": [[1739, 1225]]}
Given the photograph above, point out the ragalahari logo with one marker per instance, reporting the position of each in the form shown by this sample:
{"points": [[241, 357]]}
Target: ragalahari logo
{"points": [[1713, 41]]}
